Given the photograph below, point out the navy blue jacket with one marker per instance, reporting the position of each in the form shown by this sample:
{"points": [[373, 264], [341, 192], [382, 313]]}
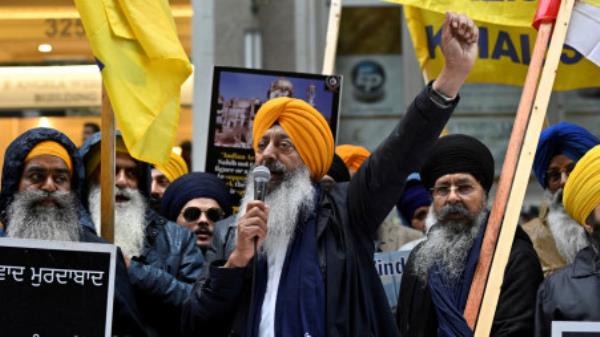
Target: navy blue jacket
{"points": [[348, 219], [126, 316], [170, 263]]}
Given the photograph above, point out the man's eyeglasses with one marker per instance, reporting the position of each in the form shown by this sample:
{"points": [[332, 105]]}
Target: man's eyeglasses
{"points": [[192, 214], [555, 175], [444, 190]]}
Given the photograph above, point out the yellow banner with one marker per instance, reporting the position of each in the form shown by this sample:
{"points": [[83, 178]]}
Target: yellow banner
{"points": [[504, 53], [502, 12]]}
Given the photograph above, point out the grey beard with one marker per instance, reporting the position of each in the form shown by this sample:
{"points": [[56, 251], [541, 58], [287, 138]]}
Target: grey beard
{"points": [[447, 245], [130, 219], [28, 220], [285, 201], [569, 235]]}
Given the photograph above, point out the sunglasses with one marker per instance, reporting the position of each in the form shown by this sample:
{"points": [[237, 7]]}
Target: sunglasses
{"points": [[192, 214]]}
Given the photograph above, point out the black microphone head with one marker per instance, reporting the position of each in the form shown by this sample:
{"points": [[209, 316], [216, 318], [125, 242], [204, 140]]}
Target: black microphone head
{"points": [[261, 174]]}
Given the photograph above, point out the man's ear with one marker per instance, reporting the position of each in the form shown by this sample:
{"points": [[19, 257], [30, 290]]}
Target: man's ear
{"points": [[588, 225]]}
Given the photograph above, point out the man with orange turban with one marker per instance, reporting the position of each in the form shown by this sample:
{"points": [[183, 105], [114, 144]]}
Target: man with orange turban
{"points": [[353, 156], [313, 272], [572, 293], [40, 198]]}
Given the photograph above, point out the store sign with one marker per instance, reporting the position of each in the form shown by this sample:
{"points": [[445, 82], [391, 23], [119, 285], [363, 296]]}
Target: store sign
{"points": [[58, 87]]}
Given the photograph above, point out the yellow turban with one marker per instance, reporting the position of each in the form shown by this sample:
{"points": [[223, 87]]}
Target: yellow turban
{"points": [[51, 148], [352, 155], [174, 168], [305, 126], [582, 190]]}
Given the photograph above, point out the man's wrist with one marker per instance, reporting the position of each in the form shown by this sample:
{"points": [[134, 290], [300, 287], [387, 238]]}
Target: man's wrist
{"points": [[236, 261]]}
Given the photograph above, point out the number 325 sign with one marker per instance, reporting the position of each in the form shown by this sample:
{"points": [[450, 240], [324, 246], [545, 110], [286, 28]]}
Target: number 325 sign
{"points": [[64, 28]]}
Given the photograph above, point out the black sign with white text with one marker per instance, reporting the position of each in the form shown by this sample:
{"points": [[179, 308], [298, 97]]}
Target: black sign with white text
{"points": [[53, 288]]}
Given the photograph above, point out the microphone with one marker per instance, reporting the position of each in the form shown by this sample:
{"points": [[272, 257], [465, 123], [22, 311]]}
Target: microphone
{"points": [[261, 176]]}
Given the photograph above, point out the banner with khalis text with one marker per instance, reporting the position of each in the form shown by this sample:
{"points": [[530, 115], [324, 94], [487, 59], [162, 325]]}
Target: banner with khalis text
{"points": [[505, 44]]}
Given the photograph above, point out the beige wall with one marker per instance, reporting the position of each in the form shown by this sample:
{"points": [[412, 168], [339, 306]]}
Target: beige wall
{"points": [[11, 128]]}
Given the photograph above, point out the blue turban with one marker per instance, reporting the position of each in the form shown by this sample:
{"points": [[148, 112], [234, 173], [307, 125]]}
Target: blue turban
{"points": [[563, 138], [191, 186], [414, 196]]}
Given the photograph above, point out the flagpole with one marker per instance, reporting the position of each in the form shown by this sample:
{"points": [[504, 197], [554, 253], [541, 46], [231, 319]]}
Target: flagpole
{"points": [[333, 29], [503, 221], [107, 169]]}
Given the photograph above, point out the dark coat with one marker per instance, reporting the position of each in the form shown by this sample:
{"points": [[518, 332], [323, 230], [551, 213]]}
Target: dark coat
{"points": [[126, 316], [416, 315], [170, 263], [570, 294], [348, 218]]}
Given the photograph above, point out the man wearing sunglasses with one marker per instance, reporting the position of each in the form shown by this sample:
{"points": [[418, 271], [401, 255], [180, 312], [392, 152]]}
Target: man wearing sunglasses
{"points": [[313, 274], [197, 201], [438, 274], [556, 236]]}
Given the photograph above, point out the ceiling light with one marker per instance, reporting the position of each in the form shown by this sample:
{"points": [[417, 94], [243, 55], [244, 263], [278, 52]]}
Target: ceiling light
{"points": [[44, 122], [45, 48]]}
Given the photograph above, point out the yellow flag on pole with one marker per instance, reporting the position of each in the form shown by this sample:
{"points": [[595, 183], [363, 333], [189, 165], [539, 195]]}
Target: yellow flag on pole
{"points": [[143, 66]]}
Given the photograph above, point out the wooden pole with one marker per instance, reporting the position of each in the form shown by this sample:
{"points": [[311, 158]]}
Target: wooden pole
{"points": [[107, 170], [497, 244], [333, 29]]}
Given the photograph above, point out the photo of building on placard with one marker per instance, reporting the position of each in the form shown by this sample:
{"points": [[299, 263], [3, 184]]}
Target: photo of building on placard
{"points": [[237, 95]]}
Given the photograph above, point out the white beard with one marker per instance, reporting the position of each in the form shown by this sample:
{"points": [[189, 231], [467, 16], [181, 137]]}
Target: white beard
{"points": [[30, 221], [295, 194], [130, 219], [292, 198], [447, 245], [569, 236]]}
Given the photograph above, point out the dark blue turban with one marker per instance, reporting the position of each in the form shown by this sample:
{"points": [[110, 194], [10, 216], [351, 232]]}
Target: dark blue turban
{"points": [[563, 138], [415, 195], [191, 186]]}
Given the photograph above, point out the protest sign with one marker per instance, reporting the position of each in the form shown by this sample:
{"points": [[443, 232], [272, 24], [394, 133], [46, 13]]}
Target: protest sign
{"points": [[390, 266], [575, 329], [237, 95], [51, 288]]}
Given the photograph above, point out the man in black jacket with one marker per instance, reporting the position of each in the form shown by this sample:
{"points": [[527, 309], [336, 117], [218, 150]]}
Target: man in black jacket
{"points": [[42, 179], [162, 258], [572, 293], [438, 274], [314, 274]]}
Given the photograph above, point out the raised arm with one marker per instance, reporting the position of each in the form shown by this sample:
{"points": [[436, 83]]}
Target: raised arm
{"points": [[378, 184]]}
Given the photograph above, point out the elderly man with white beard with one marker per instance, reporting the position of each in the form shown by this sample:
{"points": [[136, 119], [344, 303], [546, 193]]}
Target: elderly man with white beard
{"points": [[42, 179], [162, 258], [314, 273], [438, 273], [555, 235]]}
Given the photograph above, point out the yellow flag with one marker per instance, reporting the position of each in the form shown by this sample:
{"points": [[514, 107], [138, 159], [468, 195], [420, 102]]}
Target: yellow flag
{"points": [[504, 52], [143, 65], [517, 13]]}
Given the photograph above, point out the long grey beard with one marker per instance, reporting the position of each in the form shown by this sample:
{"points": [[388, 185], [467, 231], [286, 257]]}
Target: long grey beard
{"points": [[447, 245], [286, 201], [130, 219], [569, 236], [28, 220]]}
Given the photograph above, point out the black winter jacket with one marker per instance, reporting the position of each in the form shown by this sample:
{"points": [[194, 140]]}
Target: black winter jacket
{"points": [[570, 294], [127, 319], [348, 218]]}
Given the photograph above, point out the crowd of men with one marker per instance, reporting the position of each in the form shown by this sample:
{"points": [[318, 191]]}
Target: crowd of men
{"points": [[300, 263]]}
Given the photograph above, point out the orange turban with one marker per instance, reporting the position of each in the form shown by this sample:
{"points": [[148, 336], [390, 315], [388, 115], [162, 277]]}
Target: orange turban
{"points": [[51, 148], [174, 168], [352, 155], [305, 126]]}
